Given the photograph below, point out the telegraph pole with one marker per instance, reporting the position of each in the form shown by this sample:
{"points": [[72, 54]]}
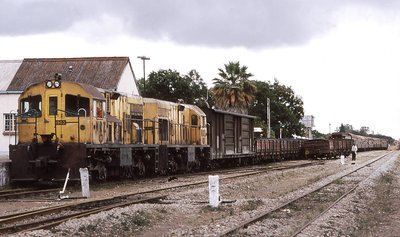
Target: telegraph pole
{"points": [[144, 58], [268, 118]]}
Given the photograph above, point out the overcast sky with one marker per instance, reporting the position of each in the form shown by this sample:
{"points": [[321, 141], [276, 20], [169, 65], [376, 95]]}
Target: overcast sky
{"points": [[342, 57]]}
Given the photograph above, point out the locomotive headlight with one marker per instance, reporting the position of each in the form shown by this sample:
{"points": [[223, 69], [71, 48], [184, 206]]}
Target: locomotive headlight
{"points": [[57, 84], [49, 84]]}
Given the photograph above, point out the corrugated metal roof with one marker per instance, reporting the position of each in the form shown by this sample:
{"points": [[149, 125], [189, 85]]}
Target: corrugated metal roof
{"points": [[100, 72], [8, 68]]}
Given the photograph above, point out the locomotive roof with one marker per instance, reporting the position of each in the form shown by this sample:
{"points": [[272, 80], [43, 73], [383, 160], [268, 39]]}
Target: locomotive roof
{"points": [[231, 113], [93, 91], [100, 72], [167, 103]]}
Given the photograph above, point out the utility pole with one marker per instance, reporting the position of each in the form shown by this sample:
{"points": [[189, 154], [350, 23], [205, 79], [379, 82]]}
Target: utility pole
{"points": [[144, 58], [268, 117]]}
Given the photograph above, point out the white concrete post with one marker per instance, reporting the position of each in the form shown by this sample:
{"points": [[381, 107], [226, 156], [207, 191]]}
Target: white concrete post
{"points": [[342, 159], [213, 188], [85, 182]]}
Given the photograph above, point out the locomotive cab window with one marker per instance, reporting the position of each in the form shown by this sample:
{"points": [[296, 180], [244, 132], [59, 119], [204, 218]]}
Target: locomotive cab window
{"points": [[74, 103], [31, 106]]}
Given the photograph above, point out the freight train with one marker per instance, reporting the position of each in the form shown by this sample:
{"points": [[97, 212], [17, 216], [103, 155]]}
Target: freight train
{"points": [[340, 143], [63, 126]]}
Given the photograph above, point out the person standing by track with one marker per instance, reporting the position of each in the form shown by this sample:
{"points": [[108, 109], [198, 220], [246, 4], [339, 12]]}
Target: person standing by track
{"points": [[353, 154]]}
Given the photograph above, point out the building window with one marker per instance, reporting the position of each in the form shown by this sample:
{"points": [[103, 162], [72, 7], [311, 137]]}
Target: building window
{"points": [[9, 124]]}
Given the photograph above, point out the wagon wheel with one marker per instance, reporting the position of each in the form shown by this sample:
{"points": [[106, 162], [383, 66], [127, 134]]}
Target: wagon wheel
{"points": [[128, 172]]}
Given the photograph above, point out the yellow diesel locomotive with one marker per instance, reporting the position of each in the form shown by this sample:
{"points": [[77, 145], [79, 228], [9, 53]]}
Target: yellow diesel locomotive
{"points": [[64, 125]]}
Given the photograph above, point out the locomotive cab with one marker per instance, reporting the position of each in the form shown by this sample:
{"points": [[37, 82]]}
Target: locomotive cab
{"points": [[54, 121]]}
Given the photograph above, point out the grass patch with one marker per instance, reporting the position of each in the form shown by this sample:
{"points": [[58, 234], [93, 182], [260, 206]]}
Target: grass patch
{"points": [[162, 210], [339, 182], [138, 219], [252, 205], [88, 228]]}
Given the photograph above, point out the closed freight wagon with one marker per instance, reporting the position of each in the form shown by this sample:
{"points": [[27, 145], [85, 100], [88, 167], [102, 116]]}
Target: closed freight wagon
{"points": [[230, 135]]}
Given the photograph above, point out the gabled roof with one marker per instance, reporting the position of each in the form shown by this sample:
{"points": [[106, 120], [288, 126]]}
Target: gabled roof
{"points": [[8, 68], [100, 72]]}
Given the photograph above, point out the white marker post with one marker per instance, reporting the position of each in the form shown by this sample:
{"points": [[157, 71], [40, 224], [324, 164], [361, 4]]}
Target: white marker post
{"points": [[213, 188], [85, 182], [342, 159]]}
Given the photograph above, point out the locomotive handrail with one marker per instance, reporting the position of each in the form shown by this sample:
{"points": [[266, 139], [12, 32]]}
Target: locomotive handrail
{"points": [[35, 112], [79, 137]]}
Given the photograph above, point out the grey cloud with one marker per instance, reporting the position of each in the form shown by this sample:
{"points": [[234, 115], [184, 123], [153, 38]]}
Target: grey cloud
{"points": [[219, 23]]}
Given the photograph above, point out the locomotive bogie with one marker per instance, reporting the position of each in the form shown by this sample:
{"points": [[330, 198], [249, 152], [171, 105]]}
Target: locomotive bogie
{"points": [[46, 162]]}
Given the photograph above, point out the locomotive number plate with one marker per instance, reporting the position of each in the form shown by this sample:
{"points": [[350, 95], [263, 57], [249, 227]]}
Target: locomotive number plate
{"points": [[61, 122]]}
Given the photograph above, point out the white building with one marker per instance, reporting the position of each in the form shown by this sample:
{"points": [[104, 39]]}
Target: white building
{"points": [[9, 104]]}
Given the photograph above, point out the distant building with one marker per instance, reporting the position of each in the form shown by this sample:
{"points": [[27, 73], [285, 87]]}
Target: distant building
{"points": [[109, 73]]}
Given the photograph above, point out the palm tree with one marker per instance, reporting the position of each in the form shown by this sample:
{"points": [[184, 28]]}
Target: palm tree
{"points": [[233, 91]]}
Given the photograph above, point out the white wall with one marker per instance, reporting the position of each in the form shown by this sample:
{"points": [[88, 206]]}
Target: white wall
{"points": [[8, 102], [127, 84]]}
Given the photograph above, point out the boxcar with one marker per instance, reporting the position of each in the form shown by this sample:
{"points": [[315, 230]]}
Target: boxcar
{"points": [[230, 136]]}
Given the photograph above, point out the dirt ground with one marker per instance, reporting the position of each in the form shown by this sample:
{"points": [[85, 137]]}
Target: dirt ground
{"points": [[381, 217], [186, 212]]}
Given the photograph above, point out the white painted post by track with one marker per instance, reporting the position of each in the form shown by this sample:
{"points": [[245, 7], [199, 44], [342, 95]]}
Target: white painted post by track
{"points": [[213, 188], [85, 182]]}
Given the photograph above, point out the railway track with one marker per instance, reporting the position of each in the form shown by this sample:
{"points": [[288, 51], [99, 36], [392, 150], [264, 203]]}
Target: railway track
{"points": [[49, 217], [15, 193], [295, 215], [44, 218]]}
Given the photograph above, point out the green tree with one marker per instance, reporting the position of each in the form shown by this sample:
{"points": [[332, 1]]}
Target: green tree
{"points": [[259, 106], [288, 110], [198, 91], [318, 135], [171, 86], [233, 91], [345, 128], [285, 107]]}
